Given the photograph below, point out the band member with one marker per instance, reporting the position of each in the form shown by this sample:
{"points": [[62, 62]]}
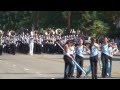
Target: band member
{"points": [[40, 41], [27, 44], [4, 44], [105, 56], [35, 46], [68, 61], [12, 47], [31, 45], [94, 48], [111, 52], [79, 57], [1, 45], [72, 53], [26, 47]]}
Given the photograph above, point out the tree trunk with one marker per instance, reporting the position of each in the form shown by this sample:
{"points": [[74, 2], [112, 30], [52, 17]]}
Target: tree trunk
{"points": [[68, 22]]}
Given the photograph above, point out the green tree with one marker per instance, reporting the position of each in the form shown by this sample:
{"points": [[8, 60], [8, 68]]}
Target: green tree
{"points": [[99, 28]]}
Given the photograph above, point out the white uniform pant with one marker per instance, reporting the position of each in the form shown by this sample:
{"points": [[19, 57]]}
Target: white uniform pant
{"points": [[31, 48]]}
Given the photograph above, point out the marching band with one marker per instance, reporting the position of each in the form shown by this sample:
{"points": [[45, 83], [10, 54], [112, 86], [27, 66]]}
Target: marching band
{"points": [[74, 47]]}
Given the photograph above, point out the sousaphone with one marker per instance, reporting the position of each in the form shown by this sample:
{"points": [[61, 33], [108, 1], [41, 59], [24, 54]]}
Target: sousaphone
{"points": [[11, 33], [59, 31]]}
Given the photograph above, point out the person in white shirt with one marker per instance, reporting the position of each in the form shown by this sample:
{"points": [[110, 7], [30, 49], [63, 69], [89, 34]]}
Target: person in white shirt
{"points": [[72, 53], [31, 45], [79, 57], [94, 50], [68, 60], [111, 52], [105, 56]]}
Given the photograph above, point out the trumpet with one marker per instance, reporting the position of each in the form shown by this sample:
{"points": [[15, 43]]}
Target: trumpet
{"points": [[48, 31]]}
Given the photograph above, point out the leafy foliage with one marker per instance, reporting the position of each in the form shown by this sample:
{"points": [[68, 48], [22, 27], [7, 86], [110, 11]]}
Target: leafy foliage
{"points": [[99, 28], [94, 22]]}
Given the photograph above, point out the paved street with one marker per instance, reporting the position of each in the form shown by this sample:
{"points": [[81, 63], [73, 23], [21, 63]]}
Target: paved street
{"points": [[44, 66]]}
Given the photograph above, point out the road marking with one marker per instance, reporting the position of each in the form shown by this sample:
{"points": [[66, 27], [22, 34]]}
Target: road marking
{"points": [[52, 78], [26, 69]]}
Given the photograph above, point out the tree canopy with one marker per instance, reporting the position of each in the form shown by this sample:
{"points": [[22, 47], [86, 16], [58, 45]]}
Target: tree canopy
{"points": [[91, 22]]}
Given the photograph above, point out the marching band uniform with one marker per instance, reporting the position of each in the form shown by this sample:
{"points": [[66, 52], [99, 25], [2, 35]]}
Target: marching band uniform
{"points": [[8, 46], [1, 45], [40, 44], [27, 44], [35, 46], [31, 45], [12, 48]]}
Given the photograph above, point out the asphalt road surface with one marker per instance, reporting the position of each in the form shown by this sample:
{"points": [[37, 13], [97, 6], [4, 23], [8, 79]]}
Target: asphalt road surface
{"points": [[44, 66]]}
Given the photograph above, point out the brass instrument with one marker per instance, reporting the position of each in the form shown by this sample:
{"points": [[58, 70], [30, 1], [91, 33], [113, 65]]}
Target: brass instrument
{"points": [[72, 31], [1, 33], [11, 33], [59, 31], [52, 32], [48, 31]]}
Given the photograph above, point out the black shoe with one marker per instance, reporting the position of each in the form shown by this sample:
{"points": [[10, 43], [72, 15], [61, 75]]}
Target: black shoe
{"points": [[103, 76], [72, 76], [78, 76], [110, 75], [13, 53], [95, 76], [68, 78]]}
